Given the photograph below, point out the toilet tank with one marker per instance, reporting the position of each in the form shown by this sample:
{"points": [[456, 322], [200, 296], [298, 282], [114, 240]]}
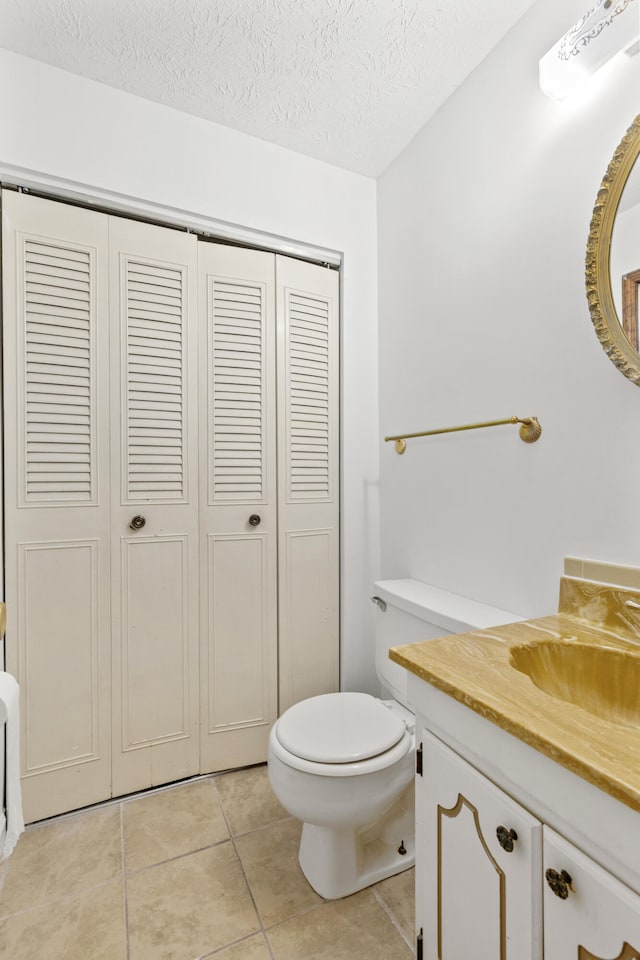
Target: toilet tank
{"points": [[417, 611]]}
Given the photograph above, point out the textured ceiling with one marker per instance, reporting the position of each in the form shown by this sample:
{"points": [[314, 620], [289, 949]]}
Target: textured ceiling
{"points": [[346, 81]]}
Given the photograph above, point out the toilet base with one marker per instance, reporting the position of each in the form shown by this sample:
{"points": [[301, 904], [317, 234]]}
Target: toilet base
{"points": [[339, 862]]}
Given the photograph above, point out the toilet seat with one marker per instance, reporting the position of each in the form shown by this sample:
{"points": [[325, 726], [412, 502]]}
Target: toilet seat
{"points": [[392, 741], [339, 728]]}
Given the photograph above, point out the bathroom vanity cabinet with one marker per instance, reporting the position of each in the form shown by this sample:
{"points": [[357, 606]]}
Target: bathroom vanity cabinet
{"points": [[482, 863], [600, 917], [463, 872], [528, 806]]}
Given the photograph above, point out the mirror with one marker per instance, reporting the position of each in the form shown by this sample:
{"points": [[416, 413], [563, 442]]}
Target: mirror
{"points": [[613, 257]]}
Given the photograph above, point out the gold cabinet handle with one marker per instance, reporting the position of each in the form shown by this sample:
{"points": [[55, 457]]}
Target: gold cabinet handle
{"points": [[560, 883], [506, 838]]}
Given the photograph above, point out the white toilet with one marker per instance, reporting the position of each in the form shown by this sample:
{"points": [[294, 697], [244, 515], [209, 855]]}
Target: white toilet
{"points": [[344, 763]]}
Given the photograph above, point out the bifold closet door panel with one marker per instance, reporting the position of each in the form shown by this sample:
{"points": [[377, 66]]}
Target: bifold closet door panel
{"points": [[154, 483], [307, 310], [238, 505], [56, 406]]}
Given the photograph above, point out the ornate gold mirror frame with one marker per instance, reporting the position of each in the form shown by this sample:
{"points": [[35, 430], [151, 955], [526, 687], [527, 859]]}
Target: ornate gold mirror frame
{"points": [[599, 293]]}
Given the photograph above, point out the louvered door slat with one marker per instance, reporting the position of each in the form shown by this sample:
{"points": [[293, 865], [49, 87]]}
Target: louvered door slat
{"points": [[41, 363], [40, 350], [140, 281], [154, 306], [58, 373], [145, 392], [46, 333], [155, 380], [159, 369], [143, 327], [155, 349], [45, 321]]}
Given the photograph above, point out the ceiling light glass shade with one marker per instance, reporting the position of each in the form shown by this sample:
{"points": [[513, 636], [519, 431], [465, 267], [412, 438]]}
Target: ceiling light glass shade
{"points": [[609, 27]]}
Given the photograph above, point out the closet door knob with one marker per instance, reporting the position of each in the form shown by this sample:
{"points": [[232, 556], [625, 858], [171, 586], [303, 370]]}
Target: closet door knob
{"points": [[254, 520], [137, 522]]}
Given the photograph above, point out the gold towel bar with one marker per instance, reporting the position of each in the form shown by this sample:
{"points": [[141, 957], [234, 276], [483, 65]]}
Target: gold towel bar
{"points": [[529, 431]]}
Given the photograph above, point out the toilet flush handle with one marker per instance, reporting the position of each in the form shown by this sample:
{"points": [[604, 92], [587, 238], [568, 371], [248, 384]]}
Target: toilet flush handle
{"points": [[380, 602]]}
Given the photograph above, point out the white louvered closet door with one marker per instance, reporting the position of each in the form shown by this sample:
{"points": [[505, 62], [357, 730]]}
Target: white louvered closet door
{"points": [[154, 450], [238, 534], [56, 397], [308, 479], [131, 636]]}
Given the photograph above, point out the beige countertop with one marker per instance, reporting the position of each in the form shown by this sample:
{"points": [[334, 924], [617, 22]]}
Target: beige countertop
{"points": [[475, 669]]}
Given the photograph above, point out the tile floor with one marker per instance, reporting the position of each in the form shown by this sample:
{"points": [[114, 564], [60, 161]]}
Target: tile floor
{"points": [[202, 869]]}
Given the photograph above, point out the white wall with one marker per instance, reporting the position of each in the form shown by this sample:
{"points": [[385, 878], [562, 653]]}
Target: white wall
{"points": [[63, 126], [483, 222]]}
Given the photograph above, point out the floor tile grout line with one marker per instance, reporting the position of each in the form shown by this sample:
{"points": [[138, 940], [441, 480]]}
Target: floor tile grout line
{"points": [[125, 891], [247, 833], [246, 880], [179, 856], [293, 916], [296, 916], [244, 874], [389, 912], [222, 809], [235, 850], [268, 943], [263, 928], [233, 943], [263, 826]]}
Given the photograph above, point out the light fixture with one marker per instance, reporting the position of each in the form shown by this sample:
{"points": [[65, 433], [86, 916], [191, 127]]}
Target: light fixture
{"points": [[608, 28]]}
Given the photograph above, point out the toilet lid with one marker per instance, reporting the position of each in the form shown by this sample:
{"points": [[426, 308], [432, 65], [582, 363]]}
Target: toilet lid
{"points": [[339, 728]]}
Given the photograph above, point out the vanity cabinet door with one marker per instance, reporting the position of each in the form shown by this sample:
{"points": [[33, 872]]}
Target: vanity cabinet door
{"points": [[479, 857], [591, 917]]}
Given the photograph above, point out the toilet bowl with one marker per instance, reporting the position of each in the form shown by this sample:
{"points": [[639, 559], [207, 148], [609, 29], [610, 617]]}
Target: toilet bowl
{"points": [[344, 763]]}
